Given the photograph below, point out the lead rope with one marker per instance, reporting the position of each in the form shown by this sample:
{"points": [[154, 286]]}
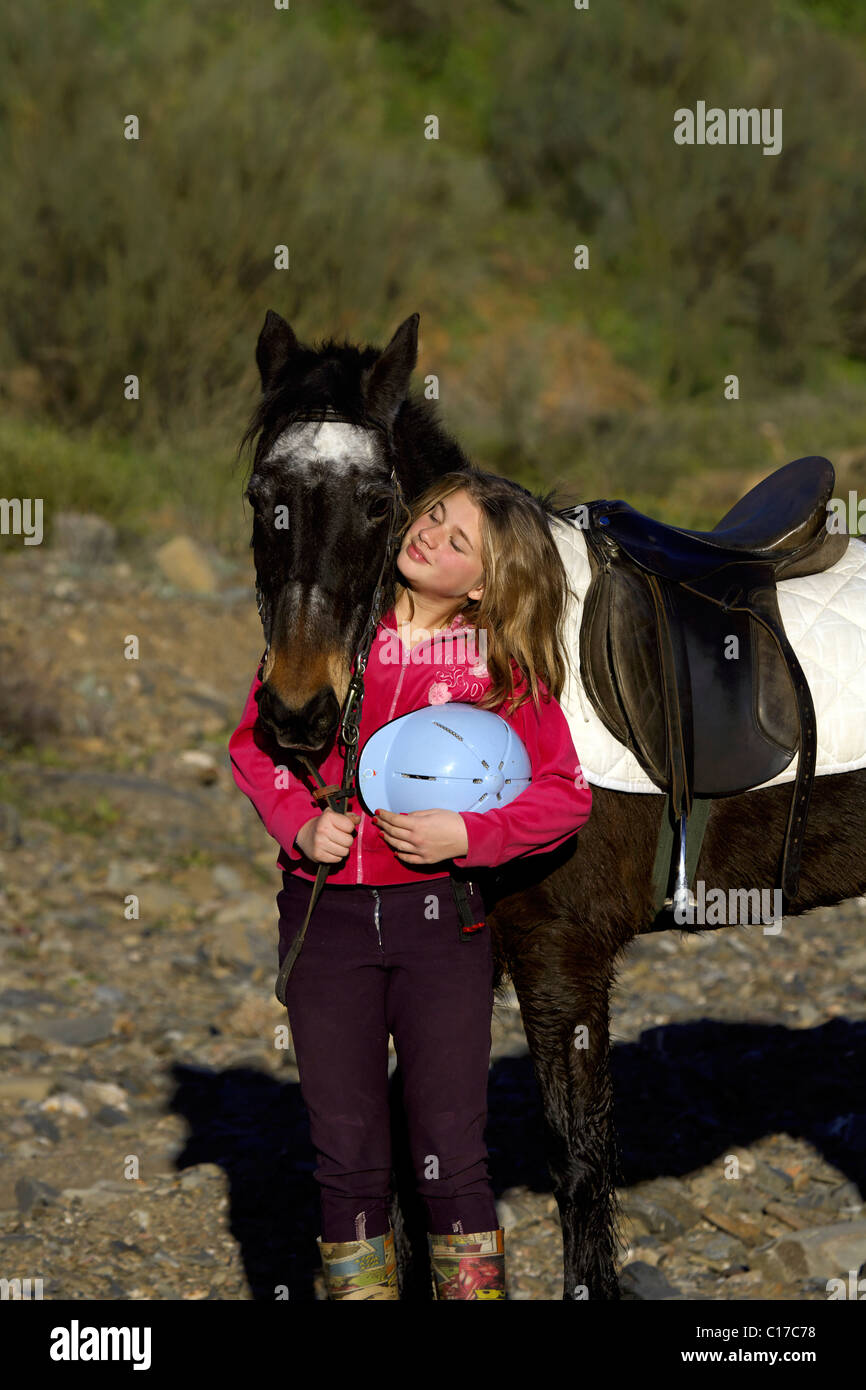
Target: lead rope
{"points": [[338, 798]]}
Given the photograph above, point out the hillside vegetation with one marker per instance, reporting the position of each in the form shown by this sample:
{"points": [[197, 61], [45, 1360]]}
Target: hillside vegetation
{"points": [[305, 128]]}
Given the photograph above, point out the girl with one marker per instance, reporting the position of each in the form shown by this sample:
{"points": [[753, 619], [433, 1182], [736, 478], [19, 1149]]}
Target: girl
{"points": [[476, 618]]}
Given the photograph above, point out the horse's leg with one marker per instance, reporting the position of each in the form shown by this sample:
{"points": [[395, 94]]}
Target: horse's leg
{"points": [[564, 1005], [559, 929]]}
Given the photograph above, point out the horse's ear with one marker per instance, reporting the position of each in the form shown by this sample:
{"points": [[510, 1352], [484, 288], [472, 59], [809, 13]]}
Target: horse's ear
{"points": [[277, 343], [388, 383]]}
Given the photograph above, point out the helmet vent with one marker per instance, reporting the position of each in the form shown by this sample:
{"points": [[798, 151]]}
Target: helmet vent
{"points": [[452, 732], [460, 739]]}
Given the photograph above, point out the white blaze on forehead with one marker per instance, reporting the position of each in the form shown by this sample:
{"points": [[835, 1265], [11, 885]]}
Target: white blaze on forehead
{"points": [[331, 441], [311, 600]]}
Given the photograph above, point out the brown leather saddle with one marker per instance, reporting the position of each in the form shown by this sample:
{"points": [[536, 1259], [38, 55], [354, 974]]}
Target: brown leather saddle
{"points": [[683, 652]]}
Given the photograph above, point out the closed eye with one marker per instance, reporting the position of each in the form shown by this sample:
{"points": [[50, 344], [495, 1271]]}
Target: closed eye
{"points": [[456, 547]]}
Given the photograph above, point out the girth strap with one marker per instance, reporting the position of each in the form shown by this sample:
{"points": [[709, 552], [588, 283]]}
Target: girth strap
{"points": [[806, 759]]}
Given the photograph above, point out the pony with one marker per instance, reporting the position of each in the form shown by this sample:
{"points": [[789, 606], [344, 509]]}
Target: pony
{"points": [[331, 424]]}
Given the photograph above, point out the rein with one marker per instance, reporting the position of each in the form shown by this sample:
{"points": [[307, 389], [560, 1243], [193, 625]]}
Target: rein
{"points": [[337, 798]]}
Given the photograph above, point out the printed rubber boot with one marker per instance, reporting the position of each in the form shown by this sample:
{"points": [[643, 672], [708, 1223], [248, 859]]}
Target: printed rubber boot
{"points": [[360, 1269], [470, 1266]]}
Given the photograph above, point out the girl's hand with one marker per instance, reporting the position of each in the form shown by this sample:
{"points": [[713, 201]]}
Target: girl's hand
{"points": [[424, 837], [326, 838]]}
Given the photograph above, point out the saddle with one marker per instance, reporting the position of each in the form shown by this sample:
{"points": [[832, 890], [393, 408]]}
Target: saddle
{"points": [[683, 652]]}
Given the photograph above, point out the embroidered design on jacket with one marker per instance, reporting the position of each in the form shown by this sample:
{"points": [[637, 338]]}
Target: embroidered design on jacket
{"points": [[453, 685]]}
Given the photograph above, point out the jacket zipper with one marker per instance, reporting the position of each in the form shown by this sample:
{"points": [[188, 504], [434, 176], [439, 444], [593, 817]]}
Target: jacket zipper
{"points": [[360, 835], [376, 916]]}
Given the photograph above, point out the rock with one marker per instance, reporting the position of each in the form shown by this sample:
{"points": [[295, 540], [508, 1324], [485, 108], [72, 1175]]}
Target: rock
{"points": [[65, 1104], [669, 1194], [657, 1219], [507, 1215], [92, 1197], [104, 1093], [108, 1117], [25, 1087], [743, 1227], [186, 965], [720, 1251], [807, 1015], [642, 1281], [107, 994], [30, 1192], [645, 1249], [27, 1149], [226, 879], [243, 933], [256, 909], [256, 1016], [84, 539], [193, 1179], [201, 767], [26, 998], [632, 1227], [773, 1180], [797, 1220], [227, 944], [123, 875], [78, 1032], [160, 900], [846, 1197], [40, 1124], [829, 1252], [184, 564]]}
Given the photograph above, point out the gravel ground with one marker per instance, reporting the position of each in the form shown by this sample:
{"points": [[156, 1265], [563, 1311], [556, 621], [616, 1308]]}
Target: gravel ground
{"points": [[153, 1138]]}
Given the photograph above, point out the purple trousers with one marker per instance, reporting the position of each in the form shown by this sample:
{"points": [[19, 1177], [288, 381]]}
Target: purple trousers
{"points": [[383, 960]]}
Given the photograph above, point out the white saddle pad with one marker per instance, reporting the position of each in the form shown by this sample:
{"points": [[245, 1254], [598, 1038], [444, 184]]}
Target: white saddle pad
{"points": [[825, 619]]}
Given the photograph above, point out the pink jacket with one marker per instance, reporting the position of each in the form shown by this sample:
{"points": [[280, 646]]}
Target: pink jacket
{"points": [[397, 681]]}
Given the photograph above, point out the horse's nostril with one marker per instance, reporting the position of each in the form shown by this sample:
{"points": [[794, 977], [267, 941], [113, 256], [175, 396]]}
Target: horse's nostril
{"points": [[306, 730]]}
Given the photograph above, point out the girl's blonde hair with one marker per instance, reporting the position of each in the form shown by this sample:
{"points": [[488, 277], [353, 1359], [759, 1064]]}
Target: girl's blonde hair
{"points": [[526, 589]]}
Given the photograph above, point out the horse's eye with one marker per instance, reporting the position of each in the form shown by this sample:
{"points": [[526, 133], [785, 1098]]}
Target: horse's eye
{"points": [[377, 510]]}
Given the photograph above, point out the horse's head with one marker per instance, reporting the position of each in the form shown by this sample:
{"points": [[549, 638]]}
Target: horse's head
{"points": [[322, 490]]}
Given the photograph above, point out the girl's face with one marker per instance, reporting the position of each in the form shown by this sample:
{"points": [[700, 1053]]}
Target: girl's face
{"points": [[441, 552]]}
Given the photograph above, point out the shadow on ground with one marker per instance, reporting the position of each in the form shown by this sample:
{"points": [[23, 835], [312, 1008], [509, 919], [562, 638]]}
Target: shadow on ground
{"points": [[685, 1094]]}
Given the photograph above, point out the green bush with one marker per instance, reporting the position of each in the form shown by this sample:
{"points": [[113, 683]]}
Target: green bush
{"points": [[732, 260]]}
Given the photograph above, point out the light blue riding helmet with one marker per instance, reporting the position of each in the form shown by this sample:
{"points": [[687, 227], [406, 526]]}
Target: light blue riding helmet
{"points": [[453, 756]]}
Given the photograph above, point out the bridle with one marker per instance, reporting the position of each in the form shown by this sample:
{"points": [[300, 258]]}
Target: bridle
{"points": [[338, 798]]}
